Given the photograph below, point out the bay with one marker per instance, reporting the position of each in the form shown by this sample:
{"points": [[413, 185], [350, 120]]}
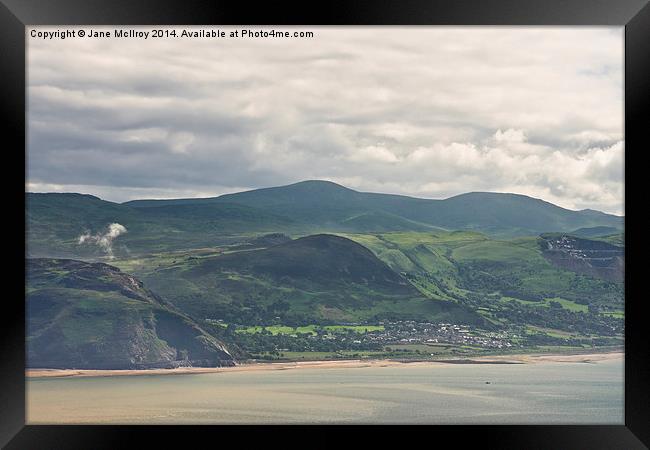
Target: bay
{"points": [[546, 393]]}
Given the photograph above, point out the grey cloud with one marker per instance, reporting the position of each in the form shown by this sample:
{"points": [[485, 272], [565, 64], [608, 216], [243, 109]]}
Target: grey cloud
{"points": [[390, 109]]}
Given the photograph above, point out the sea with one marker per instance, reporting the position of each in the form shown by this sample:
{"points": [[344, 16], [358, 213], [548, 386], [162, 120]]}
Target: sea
{"points": [[541, 393]]}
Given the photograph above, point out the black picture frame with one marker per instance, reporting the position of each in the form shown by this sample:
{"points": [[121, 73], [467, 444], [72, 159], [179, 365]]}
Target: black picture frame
{"points": [[15, 15]]}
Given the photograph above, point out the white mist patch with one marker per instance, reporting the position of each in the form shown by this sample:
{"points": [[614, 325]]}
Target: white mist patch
{"points": [[105, 241]]}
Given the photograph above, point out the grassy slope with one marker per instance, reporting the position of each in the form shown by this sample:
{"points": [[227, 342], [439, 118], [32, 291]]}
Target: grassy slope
{"points": [[451, 267], [91, 316], [616, 239], [55, 221], [452, 264], [498, 214], [322, 278]]}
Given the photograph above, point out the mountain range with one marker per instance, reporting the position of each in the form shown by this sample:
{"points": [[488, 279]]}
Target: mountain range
{"points": [[163, 283], [55, 221]]}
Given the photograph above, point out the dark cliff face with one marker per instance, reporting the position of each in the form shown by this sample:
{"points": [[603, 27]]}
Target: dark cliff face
{"points": [[585, 256], [83, 315]]}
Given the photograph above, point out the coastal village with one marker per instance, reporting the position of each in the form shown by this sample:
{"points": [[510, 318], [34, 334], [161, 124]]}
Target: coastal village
{"points": [[355, 336], [411, 332]]}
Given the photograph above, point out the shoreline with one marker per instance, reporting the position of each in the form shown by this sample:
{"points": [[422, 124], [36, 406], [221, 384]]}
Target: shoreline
{"points": [[528, 358]]}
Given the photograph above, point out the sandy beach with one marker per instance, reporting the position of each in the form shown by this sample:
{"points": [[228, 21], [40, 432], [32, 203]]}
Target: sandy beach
{"points": [[340, 364]]}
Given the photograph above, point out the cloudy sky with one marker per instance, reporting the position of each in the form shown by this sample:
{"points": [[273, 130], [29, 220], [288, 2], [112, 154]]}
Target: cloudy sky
{"points": [[423, 111]]}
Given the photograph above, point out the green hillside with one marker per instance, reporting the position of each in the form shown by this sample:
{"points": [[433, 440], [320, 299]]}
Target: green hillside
{"points": [[377, 221], [319, 278], [94, 315], [82, 315], [593, 232], [511, 283], [616, 239], [457, 264], [330, 205], [55, 221], [512, 270]]}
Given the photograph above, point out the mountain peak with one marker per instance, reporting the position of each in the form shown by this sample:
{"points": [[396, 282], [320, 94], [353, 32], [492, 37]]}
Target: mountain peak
{"points": [[318, 184], [493, 194]]}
